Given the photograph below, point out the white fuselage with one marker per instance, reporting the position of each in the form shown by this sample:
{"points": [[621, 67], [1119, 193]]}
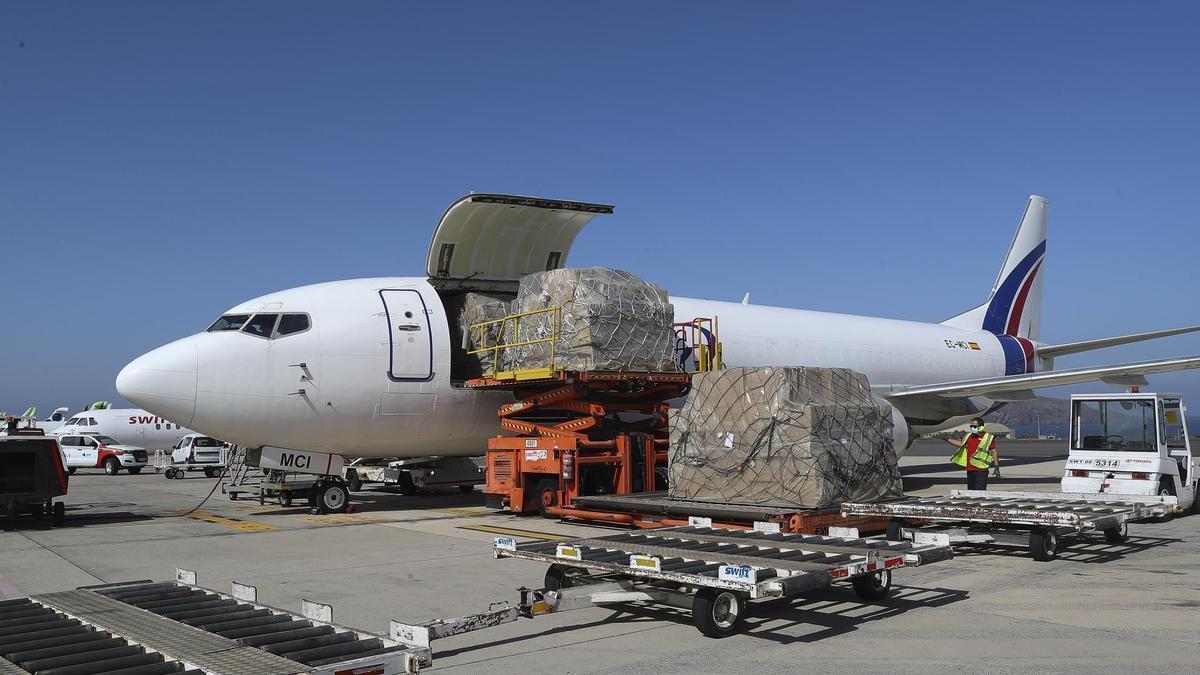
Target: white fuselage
{"points": [[371, 377], [131, 426]]}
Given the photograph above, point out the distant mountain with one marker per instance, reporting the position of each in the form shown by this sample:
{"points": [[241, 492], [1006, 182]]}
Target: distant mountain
{"points": [[1052, 411], [1024, 413]]}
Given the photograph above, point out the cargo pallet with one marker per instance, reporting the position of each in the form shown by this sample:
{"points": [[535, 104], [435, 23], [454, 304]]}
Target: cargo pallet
{"points": [[146, 628], [1037, 520]]}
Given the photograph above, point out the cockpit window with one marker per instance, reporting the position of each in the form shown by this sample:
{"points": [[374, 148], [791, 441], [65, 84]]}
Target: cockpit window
{"points": [[73, 420], [228, 322], [261, 325], [292, 323]]}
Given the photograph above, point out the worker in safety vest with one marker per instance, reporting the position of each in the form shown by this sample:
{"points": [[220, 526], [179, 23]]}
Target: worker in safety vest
{"points": [[977, 453]]}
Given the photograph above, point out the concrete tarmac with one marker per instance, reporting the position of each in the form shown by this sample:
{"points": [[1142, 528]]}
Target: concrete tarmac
{"points": [[1099, 607]]}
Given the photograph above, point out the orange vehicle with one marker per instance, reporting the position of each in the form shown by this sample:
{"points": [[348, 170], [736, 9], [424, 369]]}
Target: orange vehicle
{"points": [[572, 440]]}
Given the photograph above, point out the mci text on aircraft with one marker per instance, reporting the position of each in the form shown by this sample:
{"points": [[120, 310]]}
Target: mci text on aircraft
{"points": [[362, 367]]}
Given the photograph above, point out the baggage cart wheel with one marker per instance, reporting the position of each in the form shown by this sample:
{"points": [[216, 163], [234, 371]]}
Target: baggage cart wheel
{"points": [[211, 472], [58, 514], [407, 488], [875, 586], [233, 496], [564, 576], [170, 473], [1043, 544], [893, 530], [546, 494], [1117, 535], [718, 612], [285, 497], [353, 482], [135, 470], [112, 466], [1165, 489], [334, 498], [71, 470], [466, 489]]}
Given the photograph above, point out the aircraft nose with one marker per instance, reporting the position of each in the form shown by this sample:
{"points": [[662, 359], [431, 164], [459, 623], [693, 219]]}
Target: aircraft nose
{"points": [[163, 381]]}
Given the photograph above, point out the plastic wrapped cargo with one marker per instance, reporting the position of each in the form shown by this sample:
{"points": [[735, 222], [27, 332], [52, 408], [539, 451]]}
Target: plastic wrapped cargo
{"points": [[610, 320], [802, 437], [467, 310]]}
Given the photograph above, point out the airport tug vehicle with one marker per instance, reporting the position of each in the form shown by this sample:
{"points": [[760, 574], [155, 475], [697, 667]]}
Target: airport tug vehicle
{"points": [[1130, 460]]}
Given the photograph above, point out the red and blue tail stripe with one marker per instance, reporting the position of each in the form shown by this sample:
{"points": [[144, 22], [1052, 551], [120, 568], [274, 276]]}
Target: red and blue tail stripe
{"points": [[1003, 316], [1018, 354], [1004, 312]]}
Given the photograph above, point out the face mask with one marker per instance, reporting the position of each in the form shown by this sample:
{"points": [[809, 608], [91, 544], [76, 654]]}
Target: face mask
{"points": [[974, 430]]}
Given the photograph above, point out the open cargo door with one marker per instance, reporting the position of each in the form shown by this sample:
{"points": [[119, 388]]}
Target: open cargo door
{"points": [[488, 242]]}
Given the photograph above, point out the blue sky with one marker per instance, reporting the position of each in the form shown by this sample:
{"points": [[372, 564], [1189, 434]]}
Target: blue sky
{"points": [[160, 162]]}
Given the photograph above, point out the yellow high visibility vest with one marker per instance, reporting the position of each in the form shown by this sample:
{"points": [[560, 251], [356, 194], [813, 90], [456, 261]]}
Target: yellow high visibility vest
{"points": [[980, 459]]}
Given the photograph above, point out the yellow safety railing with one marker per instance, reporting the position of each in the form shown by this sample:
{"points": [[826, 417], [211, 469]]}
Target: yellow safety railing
{"points": [[478, 333], [701, 336]]}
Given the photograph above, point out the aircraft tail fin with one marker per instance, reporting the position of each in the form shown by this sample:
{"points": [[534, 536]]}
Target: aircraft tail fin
{"points": [[1014, 306]]}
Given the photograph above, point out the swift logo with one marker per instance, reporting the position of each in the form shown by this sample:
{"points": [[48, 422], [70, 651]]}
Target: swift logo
{"points": [[145, 419], [737, 573]]}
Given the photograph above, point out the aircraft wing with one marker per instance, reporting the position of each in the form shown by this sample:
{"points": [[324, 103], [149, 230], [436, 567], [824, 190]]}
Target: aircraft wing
{"points": [[1003, 388], [1050, 351]]}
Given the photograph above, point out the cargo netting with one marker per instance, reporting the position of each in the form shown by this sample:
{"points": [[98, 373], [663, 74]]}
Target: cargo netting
{"points": [[609, 320], [471, 309], [803, 437]]}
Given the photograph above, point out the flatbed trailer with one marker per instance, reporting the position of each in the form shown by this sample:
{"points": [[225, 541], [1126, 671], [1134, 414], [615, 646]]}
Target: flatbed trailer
{"points": [[149, 628], [713, 571], [1038, 520], [656, 509]]}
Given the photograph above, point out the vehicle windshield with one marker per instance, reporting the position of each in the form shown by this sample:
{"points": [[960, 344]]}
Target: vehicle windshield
{"points": [[228, 322], [1127, 425], [206, 442], [106, 440], [1173, 432]]}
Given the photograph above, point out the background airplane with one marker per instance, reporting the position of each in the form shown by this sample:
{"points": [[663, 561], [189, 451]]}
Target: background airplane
{"points": [[130, 426], [363, 366]]}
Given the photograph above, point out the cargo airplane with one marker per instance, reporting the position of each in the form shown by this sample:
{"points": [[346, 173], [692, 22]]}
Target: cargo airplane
{"points": [[364, 367]]}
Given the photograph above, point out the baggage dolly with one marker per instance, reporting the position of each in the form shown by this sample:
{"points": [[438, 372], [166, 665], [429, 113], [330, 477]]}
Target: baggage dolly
{"points": [[164, 463], [713, 571], [1038, 520]]}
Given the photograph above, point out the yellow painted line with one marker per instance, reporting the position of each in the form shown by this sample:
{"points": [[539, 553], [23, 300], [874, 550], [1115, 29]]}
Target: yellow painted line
{"points": [[235, 523], [467, 511], [343, 518], [512, 532]]}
